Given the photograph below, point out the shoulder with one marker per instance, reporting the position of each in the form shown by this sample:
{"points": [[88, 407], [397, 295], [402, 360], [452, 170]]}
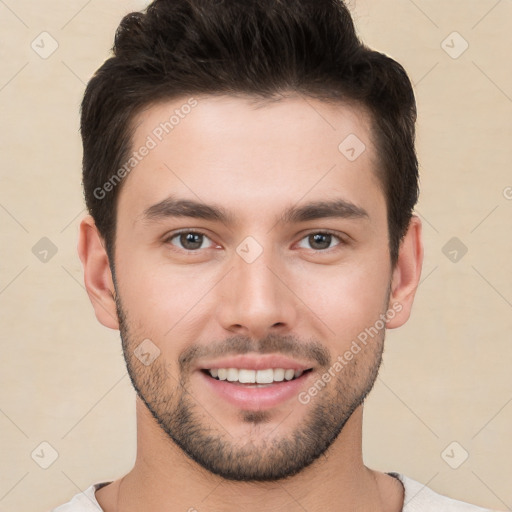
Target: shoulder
{"points": [[84, 501], [420, 498]]}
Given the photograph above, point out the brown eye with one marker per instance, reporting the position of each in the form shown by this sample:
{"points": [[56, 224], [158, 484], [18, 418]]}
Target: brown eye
{"points": [[189, 240], [320, 241]]}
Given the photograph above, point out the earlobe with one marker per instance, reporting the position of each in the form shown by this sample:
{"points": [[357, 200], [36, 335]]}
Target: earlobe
{"points": [[97, 275], [406, 274]]}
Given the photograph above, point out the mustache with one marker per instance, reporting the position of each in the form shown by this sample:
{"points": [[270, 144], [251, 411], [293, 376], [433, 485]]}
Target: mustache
{"points": [[288, 345]]}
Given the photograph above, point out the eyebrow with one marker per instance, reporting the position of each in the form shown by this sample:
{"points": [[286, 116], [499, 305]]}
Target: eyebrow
{"points": [[172, 207]]}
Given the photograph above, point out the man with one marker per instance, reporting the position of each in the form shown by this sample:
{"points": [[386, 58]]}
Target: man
{"points": [[250, 173]]}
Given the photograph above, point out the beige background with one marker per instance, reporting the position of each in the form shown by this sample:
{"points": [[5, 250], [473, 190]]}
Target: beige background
{"points": [[446, 374]]}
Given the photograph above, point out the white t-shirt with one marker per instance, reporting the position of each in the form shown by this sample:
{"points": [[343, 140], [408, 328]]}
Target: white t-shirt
{"points": [[417, 498]]}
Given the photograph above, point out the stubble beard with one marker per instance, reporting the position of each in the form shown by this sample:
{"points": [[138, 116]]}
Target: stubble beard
{"points": [[257, 457]]}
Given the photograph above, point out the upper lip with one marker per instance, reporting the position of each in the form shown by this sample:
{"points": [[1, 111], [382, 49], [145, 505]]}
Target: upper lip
{"points": [[256, 362]]}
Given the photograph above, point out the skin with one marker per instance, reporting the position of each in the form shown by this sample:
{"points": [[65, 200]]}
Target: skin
{"points": [[255, 163]]}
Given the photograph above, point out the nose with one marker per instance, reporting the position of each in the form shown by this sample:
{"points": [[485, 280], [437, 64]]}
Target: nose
{"points": [[255, 299]]}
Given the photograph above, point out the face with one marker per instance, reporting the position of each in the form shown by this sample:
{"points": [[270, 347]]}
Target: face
{"points": [[251, 253]]}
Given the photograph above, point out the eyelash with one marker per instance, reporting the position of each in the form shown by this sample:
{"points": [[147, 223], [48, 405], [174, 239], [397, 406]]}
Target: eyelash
{"points": [[323, 232]]}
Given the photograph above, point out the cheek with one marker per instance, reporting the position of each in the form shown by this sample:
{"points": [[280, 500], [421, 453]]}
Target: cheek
{"points": [[159, 298], [348, 299]]}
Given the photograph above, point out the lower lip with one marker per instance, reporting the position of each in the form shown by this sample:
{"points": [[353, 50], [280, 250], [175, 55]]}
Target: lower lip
{"points": [[251, 397]]}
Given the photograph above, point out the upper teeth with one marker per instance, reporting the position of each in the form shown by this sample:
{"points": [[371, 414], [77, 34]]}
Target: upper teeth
{"points": [[255, 376]]}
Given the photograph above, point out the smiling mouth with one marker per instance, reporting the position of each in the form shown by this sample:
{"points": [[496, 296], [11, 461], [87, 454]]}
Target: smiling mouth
{"points": [[255, 378]]}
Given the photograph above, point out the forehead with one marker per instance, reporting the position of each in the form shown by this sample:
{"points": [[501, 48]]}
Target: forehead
{"points": [[245, 151]]}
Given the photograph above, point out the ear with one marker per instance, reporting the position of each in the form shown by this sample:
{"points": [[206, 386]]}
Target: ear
{"points": [[97, 275], [406, 274]]}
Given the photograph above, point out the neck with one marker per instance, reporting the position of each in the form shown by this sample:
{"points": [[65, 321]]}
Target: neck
{"points": [[165, 479]]}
